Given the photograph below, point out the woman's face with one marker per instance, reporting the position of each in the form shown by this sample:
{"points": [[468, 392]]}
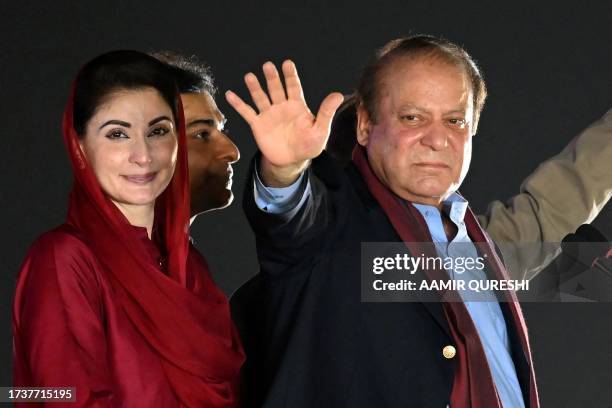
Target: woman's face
{"points": [[131, 145]]}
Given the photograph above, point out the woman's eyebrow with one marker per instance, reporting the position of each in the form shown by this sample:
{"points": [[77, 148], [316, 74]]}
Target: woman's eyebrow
{"points": [[116, 122], [159, 119]]}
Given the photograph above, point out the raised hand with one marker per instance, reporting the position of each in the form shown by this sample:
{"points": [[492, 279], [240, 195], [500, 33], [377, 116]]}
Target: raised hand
{"points": [[285, 130]]}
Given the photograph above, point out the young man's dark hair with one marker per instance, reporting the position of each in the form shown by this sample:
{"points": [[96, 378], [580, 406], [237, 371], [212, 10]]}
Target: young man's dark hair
{"points": [[191, 75]]}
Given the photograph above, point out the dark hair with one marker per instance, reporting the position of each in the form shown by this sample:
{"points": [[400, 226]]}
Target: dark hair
{"points": [[191, 75], [420, 46], [114, 71]]}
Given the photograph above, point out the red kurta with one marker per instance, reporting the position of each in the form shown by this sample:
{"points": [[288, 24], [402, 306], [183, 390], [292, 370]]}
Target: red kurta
{"points": [[70, 331], [97, 308]]}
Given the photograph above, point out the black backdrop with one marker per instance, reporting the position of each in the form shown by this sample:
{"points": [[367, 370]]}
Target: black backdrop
{"points": [[548, 69]]}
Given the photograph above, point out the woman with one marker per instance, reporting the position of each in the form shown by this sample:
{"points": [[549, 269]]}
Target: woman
{"points": [[115, 302]]}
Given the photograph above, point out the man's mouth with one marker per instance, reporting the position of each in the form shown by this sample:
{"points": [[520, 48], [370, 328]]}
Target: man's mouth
{"points": [[433, 165], [230, 174]]}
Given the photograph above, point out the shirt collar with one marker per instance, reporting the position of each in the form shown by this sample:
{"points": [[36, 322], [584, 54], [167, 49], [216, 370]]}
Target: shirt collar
{"points": [[455, 207]]}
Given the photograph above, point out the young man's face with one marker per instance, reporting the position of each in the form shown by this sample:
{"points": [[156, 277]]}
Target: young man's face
{"points": [[421, 143], [210, 153]]}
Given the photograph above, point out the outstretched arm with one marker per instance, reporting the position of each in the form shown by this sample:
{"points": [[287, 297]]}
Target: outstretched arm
{"points": [[564, 192]]}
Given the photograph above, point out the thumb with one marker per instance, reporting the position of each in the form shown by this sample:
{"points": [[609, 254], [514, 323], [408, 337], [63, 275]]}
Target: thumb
{"points": [[327, 110]]}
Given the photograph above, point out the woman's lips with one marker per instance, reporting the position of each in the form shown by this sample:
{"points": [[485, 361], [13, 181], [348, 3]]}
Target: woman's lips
{"points": [[140, 178]]}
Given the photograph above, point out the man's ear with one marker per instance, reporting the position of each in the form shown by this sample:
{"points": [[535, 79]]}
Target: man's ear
{"points": [[364, 125]]}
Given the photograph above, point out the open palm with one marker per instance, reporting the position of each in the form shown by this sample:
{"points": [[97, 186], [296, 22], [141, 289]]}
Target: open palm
{"points": [[285, 130]]}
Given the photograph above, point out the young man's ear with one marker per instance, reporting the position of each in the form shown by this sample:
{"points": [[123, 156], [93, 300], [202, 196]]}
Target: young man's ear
{"points": [[364, 125]]}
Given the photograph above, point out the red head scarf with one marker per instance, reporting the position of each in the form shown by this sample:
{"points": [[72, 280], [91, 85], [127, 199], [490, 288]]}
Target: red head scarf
{"points": [[183, 316]]}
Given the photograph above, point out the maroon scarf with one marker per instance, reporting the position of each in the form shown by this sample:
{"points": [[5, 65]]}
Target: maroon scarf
{"points": [[183, 316], [473, 384]]}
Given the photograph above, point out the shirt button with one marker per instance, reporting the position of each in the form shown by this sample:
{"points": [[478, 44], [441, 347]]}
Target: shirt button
{"points": [[449, 352]]}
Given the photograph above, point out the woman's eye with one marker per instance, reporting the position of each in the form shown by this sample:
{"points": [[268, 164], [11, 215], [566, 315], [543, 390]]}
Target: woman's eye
{"points": [[116, 134], [160, 131]]}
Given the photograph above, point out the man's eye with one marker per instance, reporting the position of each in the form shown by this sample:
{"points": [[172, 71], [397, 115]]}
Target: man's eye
{"points": [[457, 122], [202, 135], [159, 131], [410, 118], [116, 134]]}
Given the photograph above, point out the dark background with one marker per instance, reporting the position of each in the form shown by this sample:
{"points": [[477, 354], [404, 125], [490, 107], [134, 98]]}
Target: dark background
{"points": [[548, 69]]}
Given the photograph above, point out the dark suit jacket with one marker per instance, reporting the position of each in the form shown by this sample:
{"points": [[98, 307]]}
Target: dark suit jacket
{"points": [[310, 341]]}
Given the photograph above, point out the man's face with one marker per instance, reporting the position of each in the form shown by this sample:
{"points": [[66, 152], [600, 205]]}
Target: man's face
{"points": [[421, 144], [210, 153]]}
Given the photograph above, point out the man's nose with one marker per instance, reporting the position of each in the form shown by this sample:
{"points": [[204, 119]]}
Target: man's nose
{"points": [[140, 152], [230, 151], [436, 137]]}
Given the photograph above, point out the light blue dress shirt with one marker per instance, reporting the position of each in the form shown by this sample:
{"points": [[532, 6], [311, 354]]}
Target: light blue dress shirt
{"points": [[486, 313], [283, 200]]}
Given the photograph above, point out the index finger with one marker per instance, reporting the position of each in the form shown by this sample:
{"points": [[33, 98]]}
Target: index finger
{"points": [[241, 107]]}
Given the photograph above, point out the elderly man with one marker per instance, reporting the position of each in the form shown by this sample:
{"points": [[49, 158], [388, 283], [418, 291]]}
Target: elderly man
{"points": [[316, 343]]}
